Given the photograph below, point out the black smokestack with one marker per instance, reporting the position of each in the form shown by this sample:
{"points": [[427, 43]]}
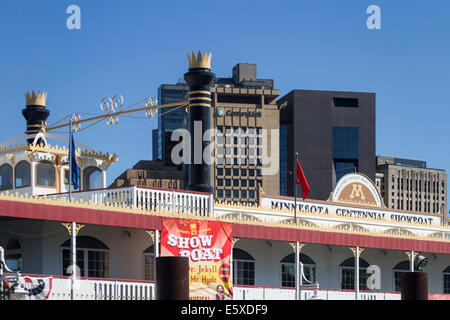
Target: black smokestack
{"points": [[35, 113]]}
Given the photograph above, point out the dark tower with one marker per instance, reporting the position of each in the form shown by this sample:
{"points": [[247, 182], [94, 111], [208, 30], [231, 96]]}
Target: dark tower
{"points": [[199, 78], [35, 113]]}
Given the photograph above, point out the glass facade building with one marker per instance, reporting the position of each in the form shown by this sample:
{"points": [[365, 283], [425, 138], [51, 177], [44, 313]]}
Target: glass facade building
{"points": [[169, 121], [334, 133], [283, 160], [345, 150]]}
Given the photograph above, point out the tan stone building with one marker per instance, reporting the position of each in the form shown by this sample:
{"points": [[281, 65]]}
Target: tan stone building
{"points": [[247, 118], [409, 185], [151, 174]]}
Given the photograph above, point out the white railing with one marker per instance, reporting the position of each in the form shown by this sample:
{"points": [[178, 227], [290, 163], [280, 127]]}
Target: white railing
{"points": [[274, 293], [100, 289], [147, 199], [110, 289]]}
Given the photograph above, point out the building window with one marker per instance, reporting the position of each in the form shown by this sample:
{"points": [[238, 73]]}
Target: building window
{"points": [[228, 182], [149, 263], [6, 180], [398, 270], [243, 267], [447, 280], [92, 257], [236, 194], [92, 178], [345, 102], [243, 194], [220, 193], [343, 167], [220, 182], [348, 274], [345, 150], [13, 255], [288, 269], [22, 174], [345, 143], [45, 174]]}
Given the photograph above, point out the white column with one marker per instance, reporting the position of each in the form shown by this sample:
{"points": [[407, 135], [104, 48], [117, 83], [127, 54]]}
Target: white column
{"points": [[134, 197], [300, 280], [33, 178], [174, 202], [104, 179], [74, 261], [298, 275], [357, 273], [411, 262], [156, 253], [211, 205], [231, 263]]}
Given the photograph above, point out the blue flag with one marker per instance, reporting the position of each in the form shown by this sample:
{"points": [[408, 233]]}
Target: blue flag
{"points": [[75, 170]]}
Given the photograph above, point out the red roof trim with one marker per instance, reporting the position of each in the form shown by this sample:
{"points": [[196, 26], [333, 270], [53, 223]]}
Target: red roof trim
{"points": [[143, 221]]}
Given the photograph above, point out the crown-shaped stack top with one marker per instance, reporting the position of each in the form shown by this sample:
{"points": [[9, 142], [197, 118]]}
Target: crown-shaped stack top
{"points": [[34, 99], [199, 61]]}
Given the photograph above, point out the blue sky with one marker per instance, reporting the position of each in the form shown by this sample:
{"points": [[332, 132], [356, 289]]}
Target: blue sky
{"points": [[131, 47]]}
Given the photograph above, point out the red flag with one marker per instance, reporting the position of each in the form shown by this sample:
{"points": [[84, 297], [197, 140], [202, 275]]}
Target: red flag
{"points": [[7, 284], [302, 180]]}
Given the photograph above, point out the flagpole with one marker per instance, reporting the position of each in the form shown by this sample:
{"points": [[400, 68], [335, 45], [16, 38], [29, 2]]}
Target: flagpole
{"points": [[70, 161], [295, 188]]}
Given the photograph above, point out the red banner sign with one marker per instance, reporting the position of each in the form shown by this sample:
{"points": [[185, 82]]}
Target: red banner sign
{"points": [[208, 246]]}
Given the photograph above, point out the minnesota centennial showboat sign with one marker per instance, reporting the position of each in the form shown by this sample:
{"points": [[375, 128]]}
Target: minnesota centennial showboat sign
{"points": [[354, 196]]}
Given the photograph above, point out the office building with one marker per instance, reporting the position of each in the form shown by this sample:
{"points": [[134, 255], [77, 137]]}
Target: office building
{"points": [[333, 133], [151, 174], [249, 114], [407, 184]]}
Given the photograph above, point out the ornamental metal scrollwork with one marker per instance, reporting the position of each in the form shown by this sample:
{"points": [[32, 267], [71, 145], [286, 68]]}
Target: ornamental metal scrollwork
{"points": [[111, 107], [74, 118], [151, 109]]}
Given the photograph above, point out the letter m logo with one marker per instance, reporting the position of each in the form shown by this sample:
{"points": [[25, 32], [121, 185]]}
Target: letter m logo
{"points": [[357, 192]]}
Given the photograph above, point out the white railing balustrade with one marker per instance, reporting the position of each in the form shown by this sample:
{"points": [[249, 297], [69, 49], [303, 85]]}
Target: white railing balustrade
{"points": [[146, 198], [110, 289], [275, 293], [100, 289]]}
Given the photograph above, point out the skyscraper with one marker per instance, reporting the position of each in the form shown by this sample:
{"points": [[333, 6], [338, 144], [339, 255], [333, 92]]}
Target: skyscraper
{"points": [[334, 134], [407, 184], [167, 123]]}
